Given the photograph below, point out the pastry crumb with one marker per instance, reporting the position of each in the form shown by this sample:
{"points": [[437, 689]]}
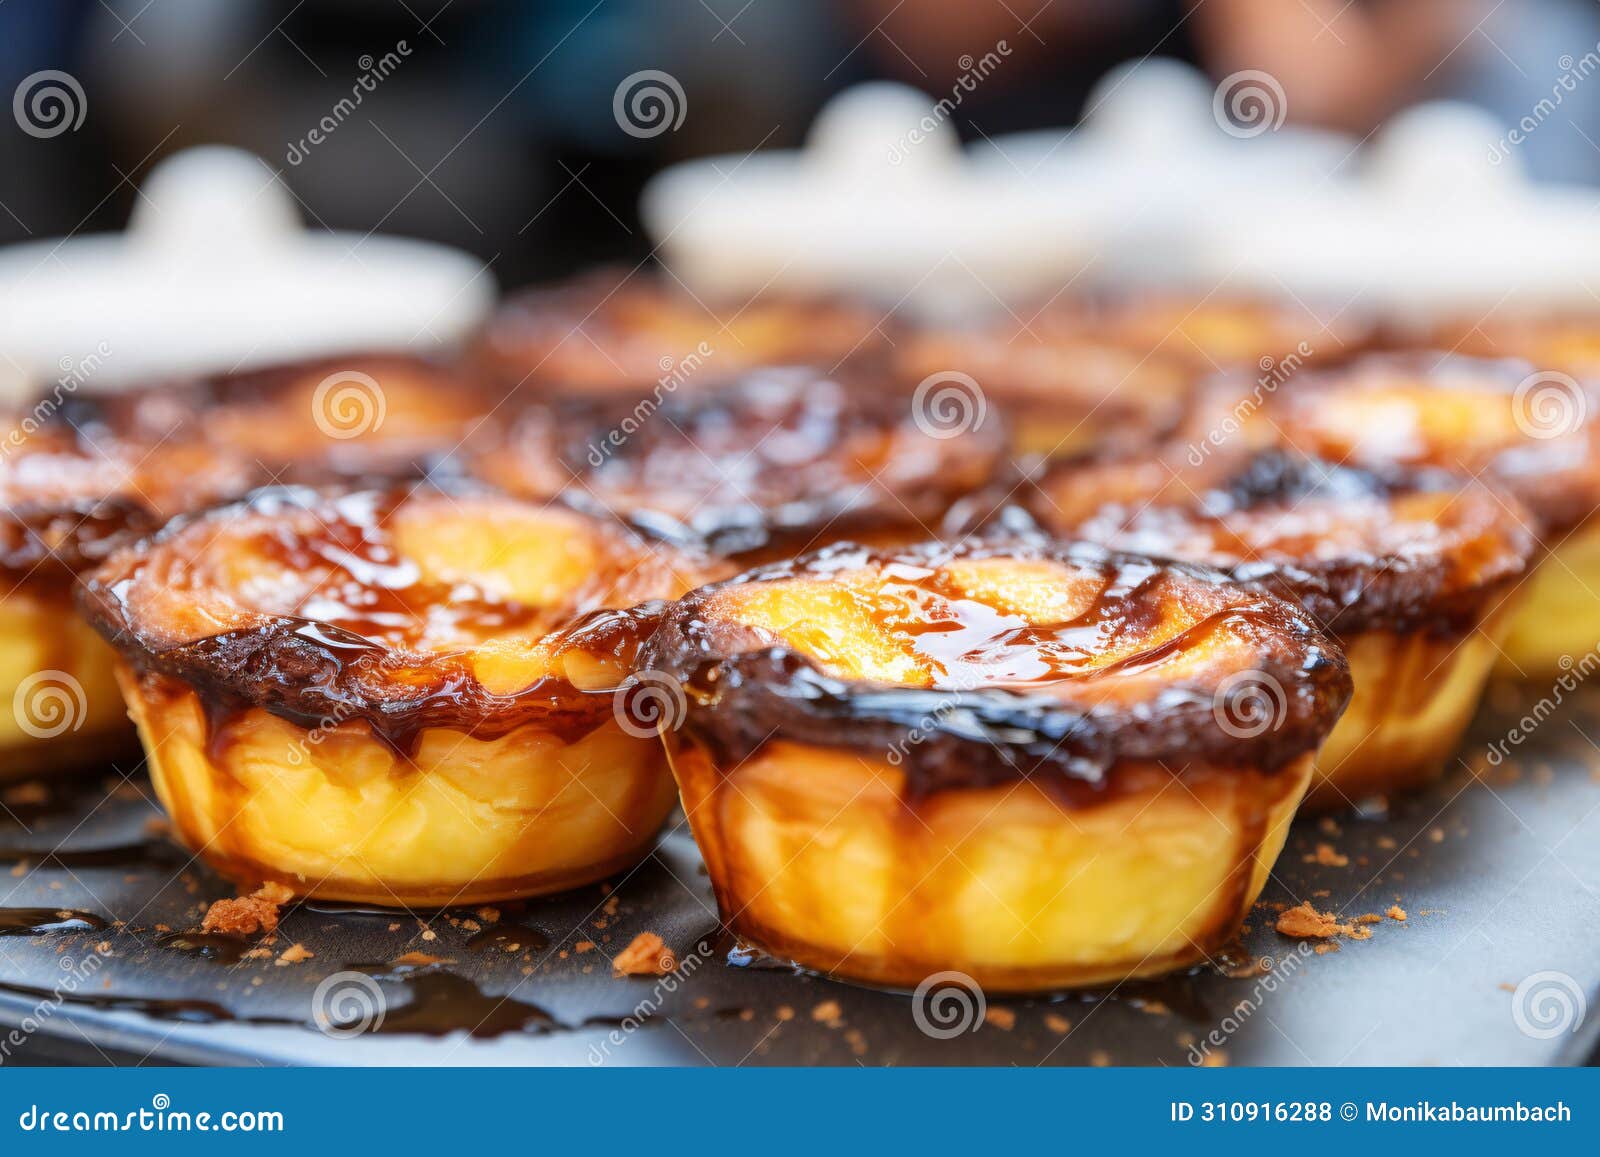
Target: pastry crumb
{"points": [[1001, 1018], [645, 955], [247, 915], [827, 1012], [294, 954], [1396, 913], [1304, 922]]}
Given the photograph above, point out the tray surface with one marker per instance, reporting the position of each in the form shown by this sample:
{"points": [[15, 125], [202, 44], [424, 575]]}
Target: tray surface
{"points": [[1497, 961]]}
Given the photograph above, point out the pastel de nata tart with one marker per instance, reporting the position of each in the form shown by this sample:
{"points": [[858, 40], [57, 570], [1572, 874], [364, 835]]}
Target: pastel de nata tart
{"points": [[1016, 759], [1220, 330], [612, 332], [1086, 374], [1531, 432], [84, 471], [399, 696], [1568, 342], [1417, 575], [770, 463], [1063, 389]]}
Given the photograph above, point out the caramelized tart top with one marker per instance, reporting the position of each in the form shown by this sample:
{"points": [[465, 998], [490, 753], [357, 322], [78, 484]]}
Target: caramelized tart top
{"points": [[611, 332], [1534, 433], [88, 471], [1358, 550], [773, 460], [991, 661], [457, 608]]}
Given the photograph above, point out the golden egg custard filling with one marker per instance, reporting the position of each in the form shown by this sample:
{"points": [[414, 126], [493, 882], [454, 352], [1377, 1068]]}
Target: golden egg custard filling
{"points": [[393, 697], [1532, 433], [1417, 575], [615, 333], [770, 464], [1042, 765]]}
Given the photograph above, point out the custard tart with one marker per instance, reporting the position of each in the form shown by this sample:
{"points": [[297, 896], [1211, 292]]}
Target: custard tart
{"points": [[1416, 574], [400, 697], [769, 464], [83, 472], [1039, 764], [1534, 433], [1568, 342], [614, 333], [1088, 375]]}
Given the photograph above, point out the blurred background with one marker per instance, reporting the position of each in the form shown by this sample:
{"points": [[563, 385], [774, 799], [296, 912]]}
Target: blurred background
{"points": [[488, 124]]}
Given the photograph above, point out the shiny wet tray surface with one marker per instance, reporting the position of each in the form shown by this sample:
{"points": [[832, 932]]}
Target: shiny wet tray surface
{"points": [[1497, 960]]}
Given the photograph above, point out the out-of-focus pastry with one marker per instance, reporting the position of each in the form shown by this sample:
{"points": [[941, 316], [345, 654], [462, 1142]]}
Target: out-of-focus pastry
{"points": [[1532, 432], [1416, 574], [403, 697], [774, 462], [83, 472], [1013, 758], [1090, 375], [614, 333]]}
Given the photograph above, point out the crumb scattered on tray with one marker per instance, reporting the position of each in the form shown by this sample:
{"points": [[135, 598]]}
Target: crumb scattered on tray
{"points": [[1328, 856], [1059, 1025], [416, 960], [247, 915], [827, 1012], [646, 955], [294, 954], [1396, 913], [1305, 923], [1001, 1018]]}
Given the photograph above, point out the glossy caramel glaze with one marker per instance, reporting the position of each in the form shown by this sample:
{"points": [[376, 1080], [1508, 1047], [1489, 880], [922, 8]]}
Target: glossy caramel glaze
{"points": [[1410, 550], [86, 472], [776, 460], [317, 606], [611, 332], [1502, 420], [1006, 659]]}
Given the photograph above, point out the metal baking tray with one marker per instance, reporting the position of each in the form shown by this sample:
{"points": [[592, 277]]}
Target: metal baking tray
{"points": [[1497, 962]]}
